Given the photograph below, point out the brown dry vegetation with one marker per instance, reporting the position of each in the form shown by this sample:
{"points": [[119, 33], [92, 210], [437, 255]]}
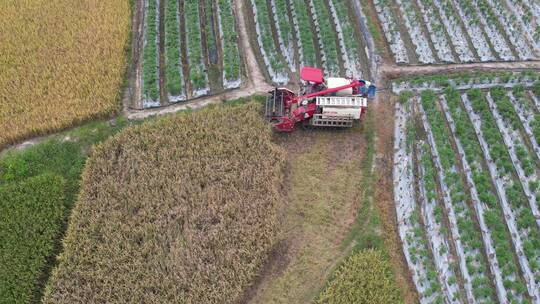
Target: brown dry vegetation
{"points": [[324, 194], [180, 210], [61, 62]]}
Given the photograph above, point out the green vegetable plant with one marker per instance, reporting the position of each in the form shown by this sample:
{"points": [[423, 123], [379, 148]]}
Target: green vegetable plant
{"points": [[231, 54], [150, 62]]}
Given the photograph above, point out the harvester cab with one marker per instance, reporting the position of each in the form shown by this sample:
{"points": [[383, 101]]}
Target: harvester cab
{"points": [[331, 102]]}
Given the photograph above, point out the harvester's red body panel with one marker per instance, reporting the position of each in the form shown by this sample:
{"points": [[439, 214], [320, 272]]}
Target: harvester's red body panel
{"points": [[312, 75]]}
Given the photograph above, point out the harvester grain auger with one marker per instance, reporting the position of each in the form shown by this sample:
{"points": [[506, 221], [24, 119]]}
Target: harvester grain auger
{"points": [[331, 102]]}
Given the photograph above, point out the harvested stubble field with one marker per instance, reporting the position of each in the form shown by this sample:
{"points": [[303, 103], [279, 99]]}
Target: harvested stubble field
{"points": [[61, 62], [182, 209]]}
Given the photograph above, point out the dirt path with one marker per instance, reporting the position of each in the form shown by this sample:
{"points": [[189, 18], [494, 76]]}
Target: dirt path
{"points": [[393, 71], [383, 194]]}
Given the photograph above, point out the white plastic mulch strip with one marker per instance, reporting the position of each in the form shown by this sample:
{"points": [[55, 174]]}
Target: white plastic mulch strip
{"points": [[480, 208], [182, 95], [528, 15], [536, 101], [513, 29], [285, 43], [418, 37], [327, 70], [475, 32], [350, 65], [497, 39], [405, 200], [457, 37], [279, 77], [438, 35], [526, 116], [391, 31], [452, 218], [510, 136], [439, 243], [508, 212], [147, 102], [228, 82], [200, 66], [297, 33]]}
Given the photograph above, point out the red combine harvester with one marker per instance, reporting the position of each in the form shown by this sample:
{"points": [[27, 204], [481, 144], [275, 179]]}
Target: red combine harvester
{"points": [[334, 102]]}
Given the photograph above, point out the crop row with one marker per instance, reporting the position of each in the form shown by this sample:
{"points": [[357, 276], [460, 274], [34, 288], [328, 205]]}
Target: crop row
{"points": [[284, 30], [483, 154], [301, 21], [467, 82], [197, 68], [467, 238], [414, 26], [229, 40], [296, 33], [345, 31], [188, 64], [150, 62], [461, 30], [412, 234], [433, 221], [508, 190], [391, 28], [326, 36], [436, 30], [274, 63], [174, 73]]}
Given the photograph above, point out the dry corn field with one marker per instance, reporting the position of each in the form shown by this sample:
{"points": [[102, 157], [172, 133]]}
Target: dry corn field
{"points": [[61, 62], [180, 210]]}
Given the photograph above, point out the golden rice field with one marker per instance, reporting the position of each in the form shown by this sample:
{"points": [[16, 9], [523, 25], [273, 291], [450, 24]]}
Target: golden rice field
{"points": [[61, 62]]}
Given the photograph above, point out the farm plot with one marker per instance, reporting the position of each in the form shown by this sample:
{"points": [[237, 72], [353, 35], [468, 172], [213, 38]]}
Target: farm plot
{"points": [[453, 31], [296, 33], [61, 63], [189, 49], [485, 190]]}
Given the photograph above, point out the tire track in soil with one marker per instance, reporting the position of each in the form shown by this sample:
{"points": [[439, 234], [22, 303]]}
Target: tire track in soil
{"points": [[383, 193]]}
